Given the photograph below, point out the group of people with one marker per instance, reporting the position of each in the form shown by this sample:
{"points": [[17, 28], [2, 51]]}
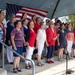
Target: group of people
{"points": [[33, 36]]}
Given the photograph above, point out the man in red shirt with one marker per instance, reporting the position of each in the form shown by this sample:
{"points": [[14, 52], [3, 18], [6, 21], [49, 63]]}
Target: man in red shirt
{"points": [[37, 24]]}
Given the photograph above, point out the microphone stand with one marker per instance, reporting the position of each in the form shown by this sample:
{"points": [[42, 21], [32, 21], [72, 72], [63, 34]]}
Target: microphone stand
{"points": [[68, 71]]}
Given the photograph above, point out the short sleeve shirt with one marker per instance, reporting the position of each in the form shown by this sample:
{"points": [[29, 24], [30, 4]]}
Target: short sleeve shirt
{"points": [[19, 40], [69, 35]]}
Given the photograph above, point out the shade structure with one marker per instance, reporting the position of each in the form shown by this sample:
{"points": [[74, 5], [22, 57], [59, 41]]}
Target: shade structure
{"points": [[56, 8]]}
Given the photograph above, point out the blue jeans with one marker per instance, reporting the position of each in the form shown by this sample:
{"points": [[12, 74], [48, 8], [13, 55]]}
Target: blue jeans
{"points": [[50, 51]]}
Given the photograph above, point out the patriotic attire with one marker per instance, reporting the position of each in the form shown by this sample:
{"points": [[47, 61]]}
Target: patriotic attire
{"points": [[36, 27], [41, 38], [30, 38], [50, 35], [69, 35], [19, 40]]}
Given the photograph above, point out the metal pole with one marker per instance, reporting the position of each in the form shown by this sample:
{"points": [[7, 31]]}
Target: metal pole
{"points": [[33, 68], [66, 62], [32, 62], [55, 9], [3, 56]]}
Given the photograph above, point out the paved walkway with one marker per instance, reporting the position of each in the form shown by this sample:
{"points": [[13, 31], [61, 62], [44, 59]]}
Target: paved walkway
{"points": [[58, 68]]}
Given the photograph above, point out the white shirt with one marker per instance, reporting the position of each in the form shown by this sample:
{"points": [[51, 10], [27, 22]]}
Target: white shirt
{"points": [[5, 23], [41, 36]]}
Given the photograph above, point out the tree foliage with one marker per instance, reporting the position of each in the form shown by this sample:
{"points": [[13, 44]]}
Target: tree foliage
{"points": [[72, 19]]}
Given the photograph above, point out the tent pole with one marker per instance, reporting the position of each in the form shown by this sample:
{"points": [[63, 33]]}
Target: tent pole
{"points": [[55, 8]]}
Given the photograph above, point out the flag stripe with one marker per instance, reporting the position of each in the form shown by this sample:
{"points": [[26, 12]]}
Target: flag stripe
{"points": [[19, 15], [38, 9], [30, 13], [34, 10]]}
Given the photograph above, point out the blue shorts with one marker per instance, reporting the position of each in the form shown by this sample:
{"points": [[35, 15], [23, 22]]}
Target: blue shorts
{"points": [[19, 50], [24, 49]]}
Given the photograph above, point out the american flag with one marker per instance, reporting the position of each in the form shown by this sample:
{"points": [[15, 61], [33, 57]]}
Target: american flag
{"points": [[19, 10]]}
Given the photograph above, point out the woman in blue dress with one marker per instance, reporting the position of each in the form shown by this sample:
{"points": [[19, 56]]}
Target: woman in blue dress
{"points": [[62, 43], [25, 28]]}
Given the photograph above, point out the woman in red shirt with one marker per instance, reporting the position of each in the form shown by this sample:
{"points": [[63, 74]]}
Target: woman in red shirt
{"points": [[51, 39], [30, 39]]}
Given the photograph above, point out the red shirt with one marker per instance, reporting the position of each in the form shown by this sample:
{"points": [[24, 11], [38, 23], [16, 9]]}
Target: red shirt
{"points": [[36, 27], [50, 35], [32, 38]]}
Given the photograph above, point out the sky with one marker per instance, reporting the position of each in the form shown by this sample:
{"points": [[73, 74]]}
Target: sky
{"points": [[62, 19]]}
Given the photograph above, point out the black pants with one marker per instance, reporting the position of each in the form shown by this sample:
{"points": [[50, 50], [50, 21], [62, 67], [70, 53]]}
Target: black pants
{"points": [[0, 48]]}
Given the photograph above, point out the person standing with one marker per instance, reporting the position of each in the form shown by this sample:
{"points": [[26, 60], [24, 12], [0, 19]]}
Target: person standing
{"points": [[17, 38], [30, 39], [51, 39], [24, 16], [36, 28], [25, 28], [37, 24], [10, 27], [2, 31], [61, 41], [41, 39], [34, 19], [70, 39]]}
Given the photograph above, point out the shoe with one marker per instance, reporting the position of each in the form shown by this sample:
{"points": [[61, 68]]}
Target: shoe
{"points": [[0, 66], [11, 63], [19, 70], [42, 64], [48, 62], [39, 64], [15, 70], [30, 66], [73, 56], [51, 61], [27, 67]]}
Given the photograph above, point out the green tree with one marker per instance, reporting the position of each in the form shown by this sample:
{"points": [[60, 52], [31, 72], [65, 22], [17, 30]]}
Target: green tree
{"points": [[72, 19]]}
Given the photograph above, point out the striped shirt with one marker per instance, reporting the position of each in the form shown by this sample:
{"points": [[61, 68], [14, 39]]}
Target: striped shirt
{"points": [[19, 40]]}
